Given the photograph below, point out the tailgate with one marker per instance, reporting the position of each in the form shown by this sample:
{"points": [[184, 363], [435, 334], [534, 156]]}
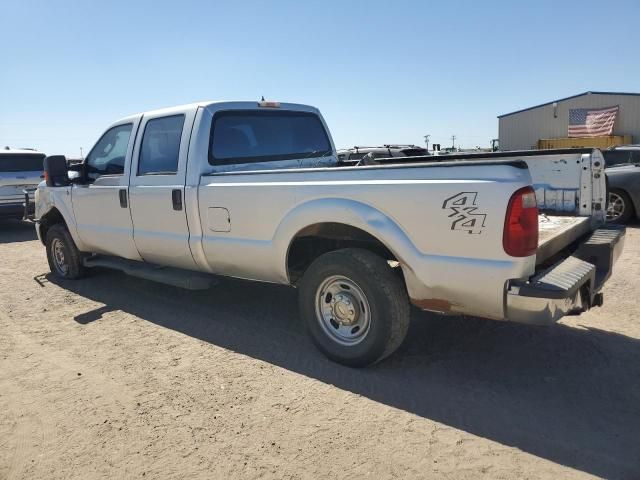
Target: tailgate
{"points": [[557, 233], [571, 195], [13, 183], [19, 170], [569, 182]]}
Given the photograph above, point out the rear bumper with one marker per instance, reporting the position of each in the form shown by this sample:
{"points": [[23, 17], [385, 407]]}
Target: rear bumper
{"points": [[12, 210], [571, 286]]}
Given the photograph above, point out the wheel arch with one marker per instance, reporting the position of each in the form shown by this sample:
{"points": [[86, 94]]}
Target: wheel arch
{"points": [[317, 239], [48, 220], [324, 225]]}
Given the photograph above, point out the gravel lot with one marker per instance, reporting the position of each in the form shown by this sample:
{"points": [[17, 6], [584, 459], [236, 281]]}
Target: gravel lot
{"points": [[114, 377]]}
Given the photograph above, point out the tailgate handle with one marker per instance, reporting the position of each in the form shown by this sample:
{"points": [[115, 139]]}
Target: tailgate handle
{"points": [[176, 199], [123, 198]]}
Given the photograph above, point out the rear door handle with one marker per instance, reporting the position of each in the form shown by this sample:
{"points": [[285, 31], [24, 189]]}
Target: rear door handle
{"points": [[123, 198], [176, 199]]}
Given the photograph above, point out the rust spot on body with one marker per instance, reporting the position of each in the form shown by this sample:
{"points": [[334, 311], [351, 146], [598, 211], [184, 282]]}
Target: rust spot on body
{"points": [[435, 304]]}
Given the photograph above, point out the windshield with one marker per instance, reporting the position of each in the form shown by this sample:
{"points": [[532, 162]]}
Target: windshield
{"points": [[621, 157]]}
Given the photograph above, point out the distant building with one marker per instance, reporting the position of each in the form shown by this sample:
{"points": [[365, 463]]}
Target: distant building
{"points": [[546, 125]]}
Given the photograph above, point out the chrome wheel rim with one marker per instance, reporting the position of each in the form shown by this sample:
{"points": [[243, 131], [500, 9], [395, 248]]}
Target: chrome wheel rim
{"points": [[57, 252], [616, 207], [342, 310]]}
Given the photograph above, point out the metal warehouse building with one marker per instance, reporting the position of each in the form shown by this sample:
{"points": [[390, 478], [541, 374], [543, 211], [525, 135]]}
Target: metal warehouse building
{"points": [[546, 125]]}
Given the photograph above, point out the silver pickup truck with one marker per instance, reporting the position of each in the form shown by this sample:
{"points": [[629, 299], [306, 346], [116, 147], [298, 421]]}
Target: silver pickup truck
{"points": [[255, 190]]}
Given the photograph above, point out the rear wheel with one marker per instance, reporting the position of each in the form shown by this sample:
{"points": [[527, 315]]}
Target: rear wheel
{"points": [[620, 208], [355, 306], [65, 260]]}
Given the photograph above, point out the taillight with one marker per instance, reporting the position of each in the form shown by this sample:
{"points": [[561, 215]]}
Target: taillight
{"points": [[520, 237]]}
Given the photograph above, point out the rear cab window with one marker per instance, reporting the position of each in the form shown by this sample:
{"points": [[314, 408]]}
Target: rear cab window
{"points": [[161, 146], [21, 162], [250, 136]]}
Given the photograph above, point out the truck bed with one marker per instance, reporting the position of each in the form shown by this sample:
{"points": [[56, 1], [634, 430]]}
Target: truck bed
{"points": [[557, 232]]}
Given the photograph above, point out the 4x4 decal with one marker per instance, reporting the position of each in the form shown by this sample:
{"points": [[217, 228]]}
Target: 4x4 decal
{"points": [[464, 212]]}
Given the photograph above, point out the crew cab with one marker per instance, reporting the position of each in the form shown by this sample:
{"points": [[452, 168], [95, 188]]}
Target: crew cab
{"points": [[255, 190]]}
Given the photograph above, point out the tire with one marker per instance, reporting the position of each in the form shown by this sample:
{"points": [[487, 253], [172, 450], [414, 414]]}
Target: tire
{"points": [[619, 207], [65, 260], [355, 306]]}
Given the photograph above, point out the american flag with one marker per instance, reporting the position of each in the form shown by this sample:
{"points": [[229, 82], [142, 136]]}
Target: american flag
{"points": [[592, 122]]}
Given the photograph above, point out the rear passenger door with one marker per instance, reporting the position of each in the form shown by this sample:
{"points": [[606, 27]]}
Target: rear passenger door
{"points": [[156, 189]]}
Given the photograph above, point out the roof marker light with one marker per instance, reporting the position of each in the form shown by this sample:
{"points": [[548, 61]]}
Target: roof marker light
{"points": [[268, 104]]}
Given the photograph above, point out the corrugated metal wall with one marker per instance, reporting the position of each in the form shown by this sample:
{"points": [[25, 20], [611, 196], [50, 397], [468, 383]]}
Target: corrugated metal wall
{"points": [[522, 130]]}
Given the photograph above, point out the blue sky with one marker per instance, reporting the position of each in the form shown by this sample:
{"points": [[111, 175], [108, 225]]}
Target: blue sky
{"points": [[380, 71]]}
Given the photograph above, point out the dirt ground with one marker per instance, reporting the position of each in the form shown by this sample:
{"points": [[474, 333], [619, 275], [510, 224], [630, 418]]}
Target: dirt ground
{"points": [[116, 377]]}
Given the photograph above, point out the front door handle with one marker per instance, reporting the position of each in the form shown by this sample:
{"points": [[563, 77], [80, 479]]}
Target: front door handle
{"points": [[123, 198], [176, 199]]}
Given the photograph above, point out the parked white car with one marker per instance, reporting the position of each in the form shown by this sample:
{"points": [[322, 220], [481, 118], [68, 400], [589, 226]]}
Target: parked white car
{"points": [[20, 169], [255, 190]]}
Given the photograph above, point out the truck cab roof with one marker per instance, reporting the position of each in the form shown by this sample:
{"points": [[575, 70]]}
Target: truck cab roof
{"points": [[19, 151], [216, 105]]}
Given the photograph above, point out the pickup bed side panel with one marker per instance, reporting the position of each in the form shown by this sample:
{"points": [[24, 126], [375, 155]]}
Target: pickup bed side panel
{"points": [[444, 224]]}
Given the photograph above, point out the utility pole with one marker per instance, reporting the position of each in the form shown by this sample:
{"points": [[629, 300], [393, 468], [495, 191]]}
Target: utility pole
{"points": [[426, 140], [81, 154], [453, 142]]}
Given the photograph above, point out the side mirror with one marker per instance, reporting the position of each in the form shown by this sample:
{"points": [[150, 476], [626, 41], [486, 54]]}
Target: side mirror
{"points": [[56, 171]]}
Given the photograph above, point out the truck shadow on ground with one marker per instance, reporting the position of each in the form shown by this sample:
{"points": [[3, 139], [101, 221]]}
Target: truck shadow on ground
{"points": [[16, 231], [569, 395]]}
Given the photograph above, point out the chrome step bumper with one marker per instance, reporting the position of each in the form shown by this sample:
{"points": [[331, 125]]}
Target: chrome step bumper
{"points": [[571, 286]]}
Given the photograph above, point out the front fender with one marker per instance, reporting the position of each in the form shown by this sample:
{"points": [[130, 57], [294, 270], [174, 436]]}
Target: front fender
{"points": [[52, 199]]}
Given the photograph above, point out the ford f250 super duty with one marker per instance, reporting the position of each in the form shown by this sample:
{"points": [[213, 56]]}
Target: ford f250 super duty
{"points": [[255, 190]]}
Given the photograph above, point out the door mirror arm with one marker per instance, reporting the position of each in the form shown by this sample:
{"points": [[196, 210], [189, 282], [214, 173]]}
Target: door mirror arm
{"points": [[78, 173]]}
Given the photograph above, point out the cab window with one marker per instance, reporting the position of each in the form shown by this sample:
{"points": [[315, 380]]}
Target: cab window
{"points": [[161, 146], [239, 136], [108, 156]]}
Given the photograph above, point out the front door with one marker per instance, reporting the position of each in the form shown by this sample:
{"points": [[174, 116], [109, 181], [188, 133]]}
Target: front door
{"points": [[100, 205], [156, 189]]}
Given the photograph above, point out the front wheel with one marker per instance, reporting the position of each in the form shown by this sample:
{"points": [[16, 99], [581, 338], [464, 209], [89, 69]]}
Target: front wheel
{"points": [[355, 306], [65, 260]]}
